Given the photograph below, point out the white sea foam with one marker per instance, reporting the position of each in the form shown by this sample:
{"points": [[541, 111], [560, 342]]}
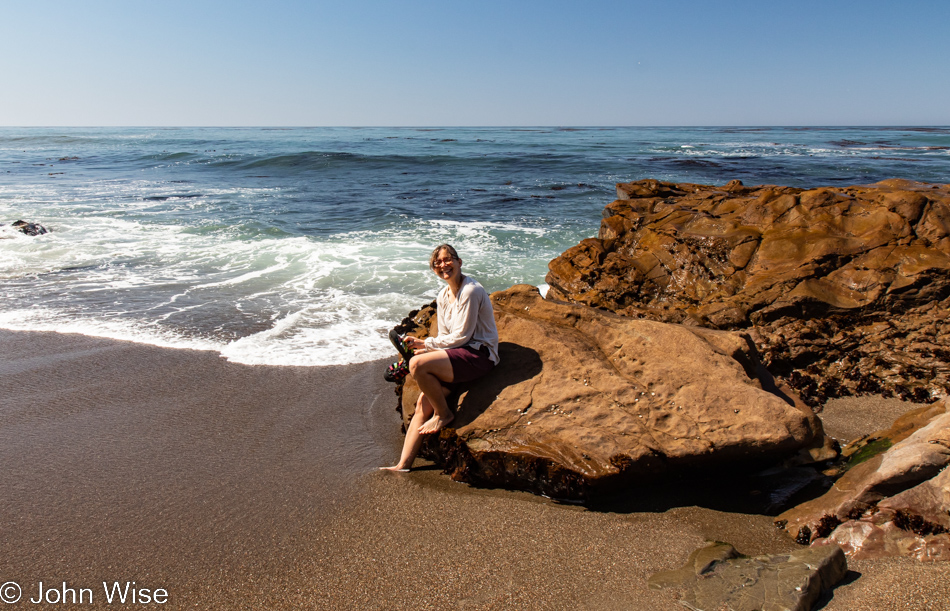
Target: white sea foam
{"points": [[47, 319], [479, 227], [305, 301], [314, 337], [351, 338]]}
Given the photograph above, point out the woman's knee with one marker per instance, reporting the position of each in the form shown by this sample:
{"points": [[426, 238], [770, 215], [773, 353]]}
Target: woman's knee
{"points": [[436, 364], [417, 366]]}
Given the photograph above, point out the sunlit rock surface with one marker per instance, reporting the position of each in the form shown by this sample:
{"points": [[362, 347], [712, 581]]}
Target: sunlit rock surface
{"points": [[844, 290]]}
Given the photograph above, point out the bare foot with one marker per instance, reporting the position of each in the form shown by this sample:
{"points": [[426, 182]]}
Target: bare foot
{"points": [[395, 468], [434, 424]]}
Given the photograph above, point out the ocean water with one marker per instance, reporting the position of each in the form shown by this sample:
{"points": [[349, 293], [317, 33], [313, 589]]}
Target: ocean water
{"points": [[304, 246]]}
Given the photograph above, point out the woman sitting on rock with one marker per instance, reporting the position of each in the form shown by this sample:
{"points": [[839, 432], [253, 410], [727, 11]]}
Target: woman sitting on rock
{"points": [[465, 349]]}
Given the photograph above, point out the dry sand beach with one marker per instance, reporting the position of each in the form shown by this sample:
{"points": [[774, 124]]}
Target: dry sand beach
{"points": [[253, 487]]}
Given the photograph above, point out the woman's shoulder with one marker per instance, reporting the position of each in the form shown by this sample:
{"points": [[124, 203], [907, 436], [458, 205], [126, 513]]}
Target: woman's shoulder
{"points": [[471, 286], [475, 294]]}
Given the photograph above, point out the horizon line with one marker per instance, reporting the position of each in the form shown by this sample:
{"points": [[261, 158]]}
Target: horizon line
{"points": [[560, 126]]}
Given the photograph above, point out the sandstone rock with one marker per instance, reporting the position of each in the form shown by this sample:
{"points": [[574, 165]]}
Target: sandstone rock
{"points": [[844, 290], [716, 577], [905, 488], [923, 509], [587, 401], [865, 540]]}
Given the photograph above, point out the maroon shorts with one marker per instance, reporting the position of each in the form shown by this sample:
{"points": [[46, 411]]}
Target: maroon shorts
{"points": [[469, 364]]}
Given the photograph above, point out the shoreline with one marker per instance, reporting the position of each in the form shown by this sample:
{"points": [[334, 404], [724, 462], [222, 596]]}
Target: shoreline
{"points": [[232, 485]]}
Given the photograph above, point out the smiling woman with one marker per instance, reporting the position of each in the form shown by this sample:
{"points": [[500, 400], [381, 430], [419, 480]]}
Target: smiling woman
{"points": [[465, 349]]}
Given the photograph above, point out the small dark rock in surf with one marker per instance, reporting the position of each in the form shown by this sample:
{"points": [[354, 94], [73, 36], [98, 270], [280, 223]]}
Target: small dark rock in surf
{"points": [[30, 228]]}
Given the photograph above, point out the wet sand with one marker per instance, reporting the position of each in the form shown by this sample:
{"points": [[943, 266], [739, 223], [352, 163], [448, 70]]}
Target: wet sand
{"points": [[238, 487]]}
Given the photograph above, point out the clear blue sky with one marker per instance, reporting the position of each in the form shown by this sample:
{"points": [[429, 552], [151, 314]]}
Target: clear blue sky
{"points": [[484, 62]]}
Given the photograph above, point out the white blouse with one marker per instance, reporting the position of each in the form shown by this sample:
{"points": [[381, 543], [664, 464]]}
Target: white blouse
{"points": [[469, 320]]}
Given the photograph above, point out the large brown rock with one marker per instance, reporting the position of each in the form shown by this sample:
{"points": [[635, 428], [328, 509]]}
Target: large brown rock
{"points": [[587, 401], [844, 290], [894, 500]]}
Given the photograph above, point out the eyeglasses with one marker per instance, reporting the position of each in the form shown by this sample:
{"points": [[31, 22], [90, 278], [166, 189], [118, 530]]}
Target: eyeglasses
{"points": [[443, 262]]}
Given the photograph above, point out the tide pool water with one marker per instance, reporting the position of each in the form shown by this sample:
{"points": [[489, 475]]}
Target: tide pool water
{"points": [[304, 246]]}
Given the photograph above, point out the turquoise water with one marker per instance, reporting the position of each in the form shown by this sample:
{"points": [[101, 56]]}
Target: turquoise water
{"points": [[304, 246]]}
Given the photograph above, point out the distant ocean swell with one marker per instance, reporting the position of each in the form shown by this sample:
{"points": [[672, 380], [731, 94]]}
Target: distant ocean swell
{"points": [[304, 246]]}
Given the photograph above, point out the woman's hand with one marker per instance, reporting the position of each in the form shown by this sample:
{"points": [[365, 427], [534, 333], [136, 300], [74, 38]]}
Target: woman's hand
{"points": [[415, 343]]}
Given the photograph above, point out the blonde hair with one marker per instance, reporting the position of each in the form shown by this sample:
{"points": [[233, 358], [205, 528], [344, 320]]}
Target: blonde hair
{"points": [[438, 250]]}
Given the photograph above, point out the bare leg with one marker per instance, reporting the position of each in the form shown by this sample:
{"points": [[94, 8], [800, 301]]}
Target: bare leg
{"points": [[430, 370], [413, 442]]}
